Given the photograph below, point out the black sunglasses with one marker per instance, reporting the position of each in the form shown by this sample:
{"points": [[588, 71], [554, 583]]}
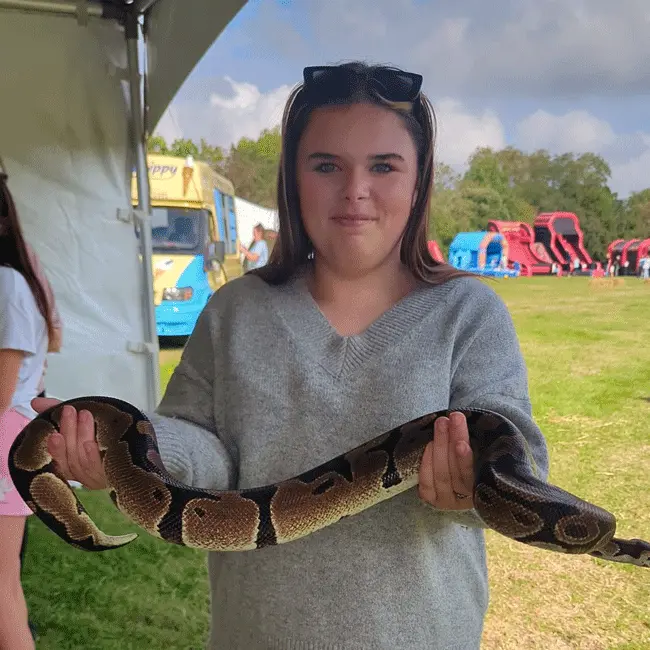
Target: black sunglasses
{"points": [[331, 82]]}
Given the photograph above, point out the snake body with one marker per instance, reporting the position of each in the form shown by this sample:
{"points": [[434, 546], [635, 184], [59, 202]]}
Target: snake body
{"points": [[508, 495]]}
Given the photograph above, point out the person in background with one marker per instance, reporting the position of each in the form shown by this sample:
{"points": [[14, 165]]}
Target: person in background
{"points": [[257, 254], [26, 330], [644, 267], [54, 346]]}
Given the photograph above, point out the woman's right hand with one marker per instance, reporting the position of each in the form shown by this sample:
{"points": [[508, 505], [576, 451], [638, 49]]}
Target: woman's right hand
{"points": [[74, 449]]}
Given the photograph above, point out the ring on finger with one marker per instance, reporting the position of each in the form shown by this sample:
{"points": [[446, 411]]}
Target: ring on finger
{"points": [[460, 496]]}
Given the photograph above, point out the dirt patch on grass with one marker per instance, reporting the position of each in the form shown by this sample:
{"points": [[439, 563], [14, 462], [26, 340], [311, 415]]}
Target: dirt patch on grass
{"points": [[606, 283], [577, 421], [545, 600]]}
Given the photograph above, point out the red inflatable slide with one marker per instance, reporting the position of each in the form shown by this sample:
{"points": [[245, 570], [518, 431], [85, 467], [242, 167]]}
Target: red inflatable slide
{"points": [[434, 250], [627, 253], [532, 258], [562, 237], [635, 250]]}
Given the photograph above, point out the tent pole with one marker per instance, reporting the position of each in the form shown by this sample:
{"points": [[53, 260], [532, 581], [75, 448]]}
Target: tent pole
{"points": [[141, 6], [144, 205]]}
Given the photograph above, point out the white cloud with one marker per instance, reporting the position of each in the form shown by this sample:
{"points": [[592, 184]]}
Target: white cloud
{"points": [[460, 133], [168, 126], [577, 131], [248, 111], [223, 119], [632, 174]]}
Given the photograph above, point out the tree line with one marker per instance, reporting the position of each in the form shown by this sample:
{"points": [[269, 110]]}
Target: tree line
{"points": [[507, 185]]}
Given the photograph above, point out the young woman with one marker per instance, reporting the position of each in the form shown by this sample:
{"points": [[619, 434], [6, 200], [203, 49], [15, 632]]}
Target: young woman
{"points": [[352, 328], [26, 329]]}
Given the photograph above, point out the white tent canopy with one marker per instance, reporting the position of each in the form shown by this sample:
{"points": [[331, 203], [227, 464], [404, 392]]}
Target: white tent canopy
{"points": [[71, 132], [250, 214]]}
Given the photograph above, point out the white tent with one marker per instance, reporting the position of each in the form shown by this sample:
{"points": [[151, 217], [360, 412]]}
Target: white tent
{"points": [[249, 215], [72, 129]]}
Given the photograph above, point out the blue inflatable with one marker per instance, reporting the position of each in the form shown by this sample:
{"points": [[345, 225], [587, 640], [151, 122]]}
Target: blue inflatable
{"points": [[483, 253]]}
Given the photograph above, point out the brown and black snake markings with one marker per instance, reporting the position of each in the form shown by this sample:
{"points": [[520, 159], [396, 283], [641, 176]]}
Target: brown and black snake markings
{"points": [[507, 494]]}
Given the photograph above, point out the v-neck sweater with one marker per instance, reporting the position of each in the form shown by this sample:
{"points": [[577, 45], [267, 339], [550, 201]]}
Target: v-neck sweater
{"points": [[266, 389]]}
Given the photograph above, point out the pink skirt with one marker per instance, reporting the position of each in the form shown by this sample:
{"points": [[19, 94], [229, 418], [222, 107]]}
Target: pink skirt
{"points": [[11, 503]]}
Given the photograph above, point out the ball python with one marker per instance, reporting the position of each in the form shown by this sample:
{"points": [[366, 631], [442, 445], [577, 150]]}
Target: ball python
{"points": [[508, 495]]}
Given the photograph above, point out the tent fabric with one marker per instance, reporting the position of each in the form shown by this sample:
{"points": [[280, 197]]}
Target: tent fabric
{"points": [[249, 215], [64, 144], [179, 32]]}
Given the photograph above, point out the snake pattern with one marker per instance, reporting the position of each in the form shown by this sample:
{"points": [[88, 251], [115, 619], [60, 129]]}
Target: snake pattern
{"points": [[508, 495]]}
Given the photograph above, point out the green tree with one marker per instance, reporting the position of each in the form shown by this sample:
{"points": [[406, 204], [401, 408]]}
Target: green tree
{"points": [[252, 166], [498, 172], [486, 204], [583, 189], [214, 156], [210, 154], [485, 169], [157, 144], [450, 213], [633, 216], [183, 147], [445, 178]]}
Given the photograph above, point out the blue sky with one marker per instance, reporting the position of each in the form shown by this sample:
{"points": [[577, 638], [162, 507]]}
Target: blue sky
{"points": [[565, 75]]}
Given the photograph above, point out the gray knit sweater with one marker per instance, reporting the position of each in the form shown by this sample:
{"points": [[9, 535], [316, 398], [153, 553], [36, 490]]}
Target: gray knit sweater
{"points": [[267, 389]]}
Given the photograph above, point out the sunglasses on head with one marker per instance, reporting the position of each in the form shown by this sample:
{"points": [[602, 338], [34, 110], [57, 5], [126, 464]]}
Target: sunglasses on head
{"points": [[330, 82]]}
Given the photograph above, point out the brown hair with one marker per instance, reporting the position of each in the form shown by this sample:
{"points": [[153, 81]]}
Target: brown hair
{"points": [[13, 252], [293, 248]]}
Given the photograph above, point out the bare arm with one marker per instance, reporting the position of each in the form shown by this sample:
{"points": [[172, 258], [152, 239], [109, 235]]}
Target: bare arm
{"points": [[10, 361], [253, 257]]}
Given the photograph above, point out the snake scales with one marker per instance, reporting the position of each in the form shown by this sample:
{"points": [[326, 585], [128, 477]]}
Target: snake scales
{"points": [[507, 494]]}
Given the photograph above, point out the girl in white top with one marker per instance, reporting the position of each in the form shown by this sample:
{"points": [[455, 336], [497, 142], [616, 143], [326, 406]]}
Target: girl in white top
{"points": [[26, 328]]}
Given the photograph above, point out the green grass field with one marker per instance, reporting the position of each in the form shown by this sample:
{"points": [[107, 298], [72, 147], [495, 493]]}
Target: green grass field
{"points": [[587, 345]]}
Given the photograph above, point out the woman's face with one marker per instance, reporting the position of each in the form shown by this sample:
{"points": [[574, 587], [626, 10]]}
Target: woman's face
{"points": [[357, 175]]}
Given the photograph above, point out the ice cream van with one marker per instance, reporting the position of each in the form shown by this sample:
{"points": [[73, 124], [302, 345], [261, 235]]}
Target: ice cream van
{"points": [[194, 228]]}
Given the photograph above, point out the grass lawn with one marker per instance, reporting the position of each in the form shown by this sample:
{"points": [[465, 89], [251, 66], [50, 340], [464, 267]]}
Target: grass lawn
{"points": [[588, 351]]}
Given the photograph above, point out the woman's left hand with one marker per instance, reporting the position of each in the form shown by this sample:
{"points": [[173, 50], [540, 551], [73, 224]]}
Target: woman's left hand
{"points": [[447, 467]]}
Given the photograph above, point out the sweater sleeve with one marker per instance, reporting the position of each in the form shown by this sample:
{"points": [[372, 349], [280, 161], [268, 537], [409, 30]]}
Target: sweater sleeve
{"points": [[184, 421], [489, 372]]}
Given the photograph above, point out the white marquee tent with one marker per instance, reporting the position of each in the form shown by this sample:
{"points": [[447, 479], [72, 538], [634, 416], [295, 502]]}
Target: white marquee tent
{"points": [[72, 127]]}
